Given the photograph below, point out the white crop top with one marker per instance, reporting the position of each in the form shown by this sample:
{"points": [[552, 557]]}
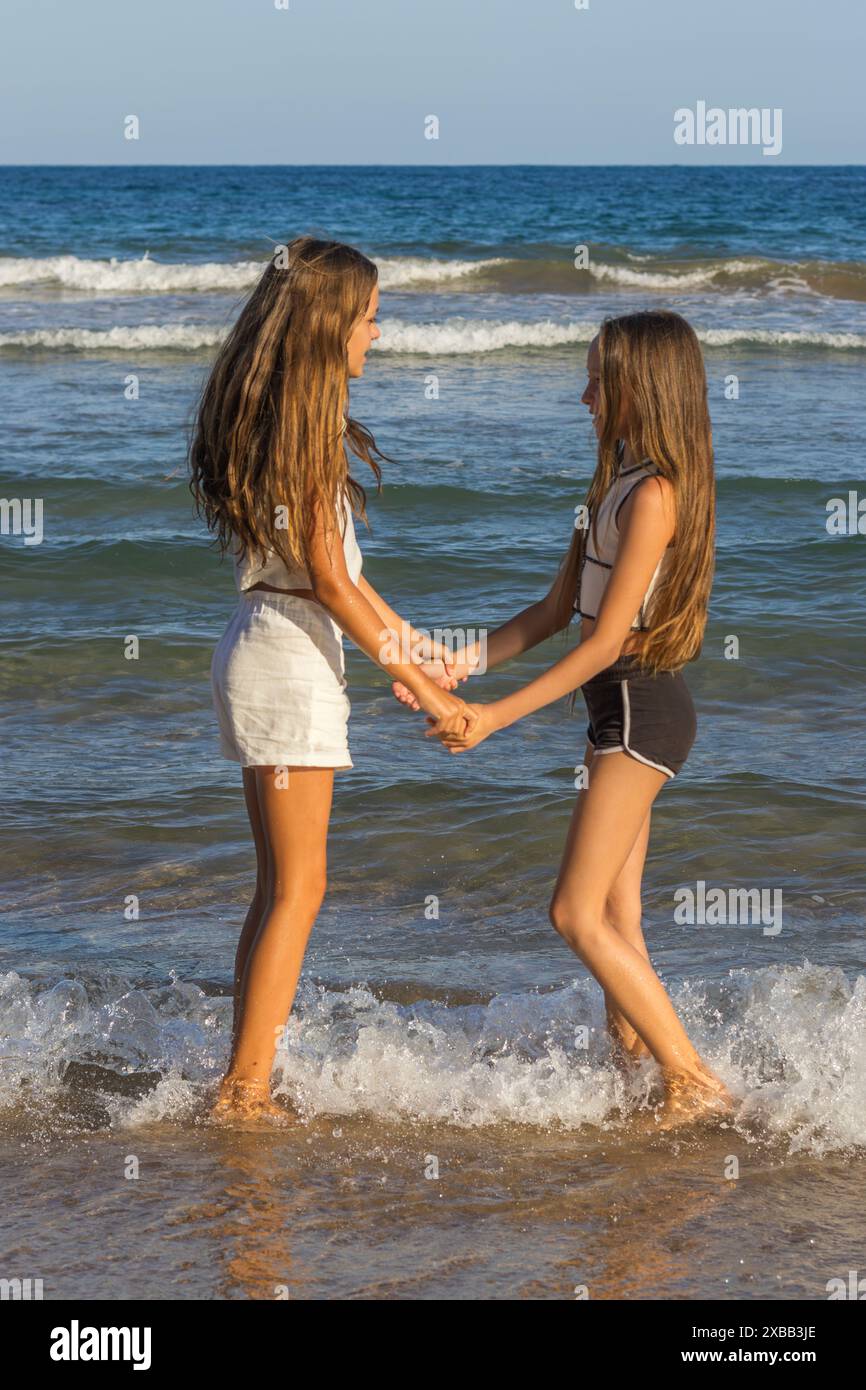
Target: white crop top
{"points": [[270, 569], [601, 548]]}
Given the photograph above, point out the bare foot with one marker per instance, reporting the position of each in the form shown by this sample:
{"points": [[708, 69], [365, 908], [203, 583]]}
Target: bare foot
{"points": [[242, 1101], [691, 1096]]}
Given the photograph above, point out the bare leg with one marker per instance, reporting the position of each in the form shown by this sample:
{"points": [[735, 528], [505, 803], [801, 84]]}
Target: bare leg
{"points": [[260, 896], [294, 823], [610, 817], [622, 912]]}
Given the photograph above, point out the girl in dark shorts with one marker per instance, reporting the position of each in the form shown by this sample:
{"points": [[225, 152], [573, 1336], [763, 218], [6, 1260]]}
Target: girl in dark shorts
{"points": [[639, 573]]}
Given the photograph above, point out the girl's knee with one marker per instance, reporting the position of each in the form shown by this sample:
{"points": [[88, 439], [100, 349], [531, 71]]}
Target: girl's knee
{"points": [[577, 926], [305, 894], [558, 915]]}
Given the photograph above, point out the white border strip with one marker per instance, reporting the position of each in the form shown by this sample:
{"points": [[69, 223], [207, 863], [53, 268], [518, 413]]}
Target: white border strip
{"points": [[626, 730]]}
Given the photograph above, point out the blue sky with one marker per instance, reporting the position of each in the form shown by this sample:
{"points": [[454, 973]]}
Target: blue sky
{"points": [[351, 81]]}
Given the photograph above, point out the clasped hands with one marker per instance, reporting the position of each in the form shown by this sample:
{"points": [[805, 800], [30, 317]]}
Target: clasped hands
{"points": [[458, 725]]}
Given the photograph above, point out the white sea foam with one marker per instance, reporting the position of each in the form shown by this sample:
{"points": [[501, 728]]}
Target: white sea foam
{"points": [[147, 276], [790, 1041], [455, 336], [451, 337], [460, 335], [128, 276], [174, 337], [673, 280], [403, 272], [780, 337], [144, 275]]}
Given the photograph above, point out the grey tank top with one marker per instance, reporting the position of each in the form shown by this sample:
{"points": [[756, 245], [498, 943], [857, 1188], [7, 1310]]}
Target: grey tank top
{"points": [[602, 545]]}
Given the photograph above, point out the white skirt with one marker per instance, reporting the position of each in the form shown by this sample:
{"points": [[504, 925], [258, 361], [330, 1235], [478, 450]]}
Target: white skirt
{"points": [[279, 685]]}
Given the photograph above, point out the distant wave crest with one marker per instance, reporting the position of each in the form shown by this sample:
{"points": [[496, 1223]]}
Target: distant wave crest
{"points": [[545, 270], [471, 336], [447, 338], [167, 337], [403, 272], [126, 277], [147, 276], [672, 280]]}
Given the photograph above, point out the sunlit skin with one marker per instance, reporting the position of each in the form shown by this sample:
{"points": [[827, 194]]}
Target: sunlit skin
{"points": [[464, 663], [590, 397], [290, 832], [596, 905], [363, 335], [646, 529], [366, 332]]}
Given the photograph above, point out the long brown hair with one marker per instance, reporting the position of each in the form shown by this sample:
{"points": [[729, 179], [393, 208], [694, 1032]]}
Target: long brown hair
{"points": [[268, 442], [652, 376]]}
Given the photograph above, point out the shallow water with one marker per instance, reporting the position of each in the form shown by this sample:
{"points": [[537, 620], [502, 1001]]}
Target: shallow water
{"points": [[356, 1208], [457, 1037]]}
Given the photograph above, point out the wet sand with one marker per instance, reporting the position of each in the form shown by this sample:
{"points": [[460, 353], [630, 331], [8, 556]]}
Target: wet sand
{"points": [[349, 1210]]}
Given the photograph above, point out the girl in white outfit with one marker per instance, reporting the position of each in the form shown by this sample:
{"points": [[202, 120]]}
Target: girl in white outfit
{"points": [[270, 475]]}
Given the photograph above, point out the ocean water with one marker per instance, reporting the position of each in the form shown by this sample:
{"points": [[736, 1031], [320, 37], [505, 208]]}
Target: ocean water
{"points": [[455, 1139]]}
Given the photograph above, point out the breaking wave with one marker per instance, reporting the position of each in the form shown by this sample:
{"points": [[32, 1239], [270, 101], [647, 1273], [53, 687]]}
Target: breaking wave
{"points": [[790, 1041]]}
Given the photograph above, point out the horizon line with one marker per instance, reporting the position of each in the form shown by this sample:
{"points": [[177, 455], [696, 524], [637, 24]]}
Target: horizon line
{"points": [[510, 164]]}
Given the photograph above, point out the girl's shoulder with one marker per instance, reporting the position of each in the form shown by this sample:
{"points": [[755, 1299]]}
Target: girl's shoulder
{"points": [[626, 480], [648, 502]]}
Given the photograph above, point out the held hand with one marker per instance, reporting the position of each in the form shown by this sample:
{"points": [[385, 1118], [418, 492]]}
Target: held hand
{"points": [[437, 651], [480, 727], [449, 713], [441, 674], [454, 664], [457, 666], [404, 695]]}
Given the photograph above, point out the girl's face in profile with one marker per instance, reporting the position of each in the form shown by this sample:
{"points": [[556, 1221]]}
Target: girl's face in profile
{"points": [[590, 395], [365, 332]]}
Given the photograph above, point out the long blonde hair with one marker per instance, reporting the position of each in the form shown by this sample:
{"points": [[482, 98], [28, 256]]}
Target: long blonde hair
{"points": [[270, 434], [652, 375]]}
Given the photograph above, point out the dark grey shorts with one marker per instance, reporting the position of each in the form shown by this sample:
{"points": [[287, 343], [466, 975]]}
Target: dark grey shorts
{"points": [[651, 718]]}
